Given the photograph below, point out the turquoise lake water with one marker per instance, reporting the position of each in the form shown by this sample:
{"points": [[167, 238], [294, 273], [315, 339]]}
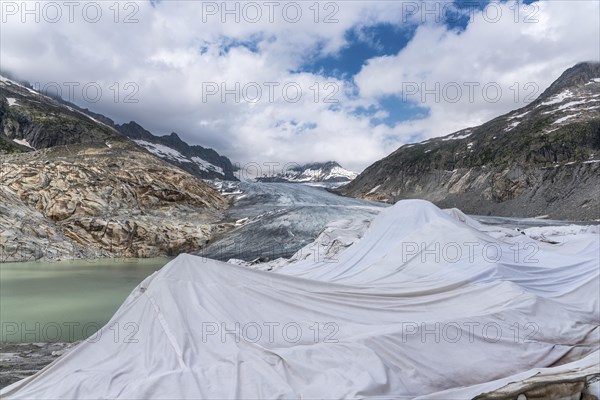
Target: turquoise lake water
{"points": [[67, 300]]}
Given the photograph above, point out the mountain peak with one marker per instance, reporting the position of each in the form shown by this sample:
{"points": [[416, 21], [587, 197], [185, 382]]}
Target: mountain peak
{"points": [[329, 172], [197, 160], [133, 130], [317, 166], [577, 75], [542, 159]]}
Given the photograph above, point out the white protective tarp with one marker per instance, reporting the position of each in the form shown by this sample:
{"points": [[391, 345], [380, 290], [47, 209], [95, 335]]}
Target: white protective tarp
{"points": [[426, 301]]}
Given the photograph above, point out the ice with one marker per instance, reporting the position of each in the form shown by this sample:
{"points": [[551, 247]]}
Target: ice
{"points": [[335, 238], [414, 303], [327, 185], [282, 218]]}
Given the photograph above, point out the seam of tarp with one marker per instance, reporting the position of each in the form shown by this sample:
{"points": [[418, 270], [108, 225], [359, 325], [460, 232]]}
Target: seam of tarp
{"points": [[167, 331]]}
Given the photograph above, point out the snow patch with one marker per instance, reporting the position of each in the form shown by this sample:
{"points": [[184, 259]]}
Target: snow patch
{"points": [[11, 101], [519, 115], [374, 189], [23, 142], [589, 108], [512, 126], [563, 119], [458, 135], [5, 81], [162, 151], [559, 98], [206, 166], [319, 175], [571, 104], [338, 172]]}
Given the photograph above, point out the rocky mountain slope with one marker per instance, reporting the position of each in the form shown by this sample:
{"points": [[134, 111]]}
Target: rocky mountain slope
{"points": [[65, 126], [329, 172], [88, 191], [36, 121], [197, 160], [542, 159]]}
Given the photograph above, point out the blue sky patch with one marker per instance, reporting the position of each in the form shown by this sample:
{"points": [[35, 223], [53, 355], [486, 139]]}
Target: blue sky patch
{"points": [[397, 110], [362, 44], [400, 110]]}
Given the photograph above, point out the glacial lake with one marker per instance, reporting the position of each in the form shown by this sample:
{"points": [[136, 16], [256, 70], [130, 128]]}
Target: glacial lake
{"points": [[67, 300]]}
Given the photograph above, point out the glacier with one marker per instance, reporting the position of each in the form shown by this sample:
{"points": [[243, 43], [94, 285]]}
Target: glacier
{"points": [[421, 303]]}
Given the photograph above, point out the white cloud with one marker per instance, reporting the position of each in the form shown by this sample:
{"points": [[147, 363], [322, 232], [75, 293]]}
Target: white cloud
{"points": [[170, 53], [511, 55]]}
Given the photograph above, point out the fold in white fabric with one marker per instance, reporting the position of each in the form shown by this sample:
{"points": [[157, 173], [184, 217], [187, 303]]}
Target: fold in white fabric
{"points": [[425, 302]]}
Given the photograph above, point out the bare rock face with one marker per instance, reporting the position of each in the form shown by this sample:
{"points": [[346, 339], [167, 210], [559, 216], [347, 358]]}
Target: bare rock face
{"points": [[20, 360], [543, 159], [112, 200], [71, 186], [563, 192]]}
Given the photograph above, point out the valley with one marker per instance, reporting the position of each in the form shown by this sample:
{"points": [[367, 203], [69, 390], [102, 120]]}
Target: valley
{"points": [[111, 229]]}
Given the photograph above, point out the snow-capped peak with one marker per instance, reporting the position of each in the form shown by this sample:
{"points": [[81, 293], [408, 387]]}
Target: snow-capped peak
{"points": [[329, 171]]}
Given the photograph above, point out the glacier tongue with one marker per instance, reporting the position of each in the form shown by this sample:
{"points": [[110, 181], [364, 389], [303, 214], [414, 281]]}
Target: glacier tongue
{"points": [[426, 303]]}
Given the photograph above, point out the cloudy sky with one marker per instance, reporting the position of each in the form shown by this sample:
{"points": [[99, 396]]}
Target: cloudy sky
{"points": [[299, 81]]}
